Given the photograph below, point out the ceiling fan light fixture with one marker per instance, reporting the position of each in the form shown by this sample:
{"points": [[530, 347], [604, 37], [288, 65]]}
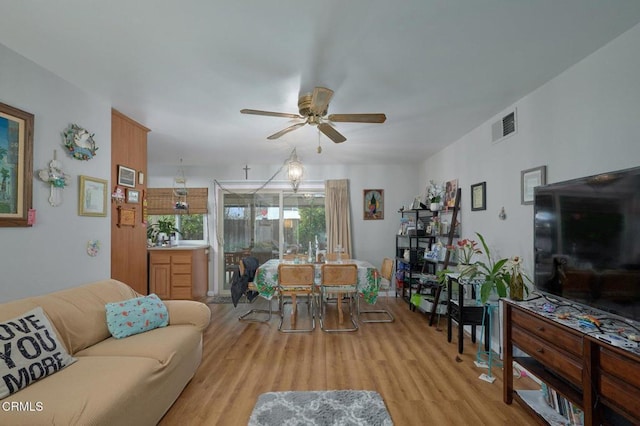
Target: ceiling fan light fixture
{"points": [[295, 170]]}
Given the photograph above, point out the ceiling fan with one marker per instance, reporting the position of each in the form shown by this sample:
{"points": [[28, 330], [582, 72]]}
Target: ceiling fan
{"points": [[313, 110]]}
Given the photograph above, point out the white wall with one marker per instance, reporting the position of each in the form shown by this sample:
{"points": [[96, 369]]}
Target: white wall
{"points": [[583, 122], [51, 255], [372, 239]]}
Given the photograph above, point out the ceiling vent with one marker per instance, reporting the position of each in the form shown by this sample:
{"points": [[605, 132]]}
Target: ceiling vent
{"points": [[504, 127]]}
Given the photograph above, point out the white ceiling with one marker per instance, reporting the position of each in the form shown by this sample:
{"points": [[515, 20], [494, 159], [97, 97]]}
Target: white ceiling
{"points": [[437, 68]]}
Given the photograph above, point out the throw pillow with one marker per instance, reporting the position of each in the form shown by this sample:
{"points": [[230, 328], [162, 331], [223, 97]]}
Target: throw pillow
{"points": [[29, 351], [135, 316]]}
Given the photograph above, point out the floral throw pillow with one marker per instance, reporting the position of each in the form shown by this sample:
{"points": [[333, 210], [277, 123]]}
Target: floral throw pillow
{"points": [[29, 351], [135, 316]]}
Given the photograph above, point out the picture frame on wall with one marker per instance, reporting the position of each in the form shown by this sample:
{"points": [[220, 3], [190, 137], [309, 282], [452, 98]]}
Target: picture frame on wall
{"points": [[16, 158], [529, 179], [93, 196], [479, 196], [450, 189], [133, 196], [126, 177], [373, 203]]}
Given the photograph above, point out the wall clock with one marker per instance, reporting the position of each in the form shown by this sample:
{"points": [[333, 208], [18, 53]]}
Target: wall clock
{"points": [[79, 142]]}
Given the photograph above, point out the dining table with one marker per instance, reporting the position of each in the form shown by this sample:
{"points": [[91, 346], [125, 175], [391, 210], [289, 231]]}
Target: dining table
{"points": [[266, 278]]}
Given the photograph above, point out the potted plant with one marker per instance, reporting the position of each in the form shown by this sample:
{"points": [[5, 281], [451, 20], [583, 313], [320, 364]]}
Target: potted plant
{"points": [[435, 191], [162, 226], [499, 275], [466, 250]]}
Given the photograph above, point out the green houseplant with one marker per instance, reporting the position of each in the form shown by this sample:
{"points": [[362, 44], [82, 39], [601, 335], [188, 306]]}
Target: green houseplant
{"points": [[499, 275], [162, 226]]}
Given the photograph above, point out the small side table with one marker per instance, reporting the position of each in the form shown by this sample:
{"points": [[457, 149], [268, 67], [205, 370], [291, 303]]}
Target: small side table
{"points": [[464, 311]]}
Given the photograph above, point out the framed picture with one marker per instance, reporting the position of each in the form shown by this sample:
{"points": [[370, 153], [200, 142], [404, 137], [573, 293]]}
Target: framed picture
{"points": [[93, 196], [450, 188], [479, 196], [126, 177], [529, 179], [16, 166], [133, 196], [373, 200]]}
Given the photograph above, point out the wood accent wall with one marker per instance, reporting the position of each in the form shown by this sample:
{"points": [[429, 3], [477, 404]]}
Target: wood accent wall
{"points": [[129, 243]]}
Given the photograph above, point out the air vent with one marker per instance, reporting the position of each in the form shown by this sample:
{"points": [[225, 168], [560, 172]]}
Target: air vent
{"points": [[504, 127]]}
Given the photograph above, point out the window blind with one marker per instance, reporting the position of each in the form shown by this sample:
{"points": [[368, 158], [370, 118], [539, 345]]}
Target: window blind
{"points": [[161, 201]]}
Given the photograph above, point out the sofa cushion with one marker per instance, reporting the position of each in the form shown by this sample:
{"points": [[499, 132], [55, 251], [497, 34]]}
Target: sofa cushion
{"points": [[77, 313], [165, 345], [134, 316], [102, 391], [29, 351]]}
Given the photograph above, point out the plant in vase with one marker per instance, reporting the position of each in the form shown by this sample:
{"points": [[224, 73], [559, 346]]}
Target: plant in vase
{"points": [[435, 191], [466, 250], [499, 275]]}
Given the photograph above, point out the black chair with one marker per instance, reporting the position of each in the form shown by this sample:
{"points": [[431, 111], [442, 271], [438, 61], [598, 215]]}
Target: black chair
{"points": [[465, 311]]}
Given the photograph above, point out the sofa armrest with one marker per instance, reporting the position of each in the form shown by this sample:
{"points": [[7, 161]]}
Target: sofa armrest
{"points": [[188, 312]]}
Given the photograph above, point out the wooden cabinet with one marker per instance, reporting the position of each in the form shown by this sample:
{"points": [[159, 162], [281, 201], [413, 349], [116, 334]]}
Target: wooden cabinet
{"points": [[178, 273], [603, 380]]}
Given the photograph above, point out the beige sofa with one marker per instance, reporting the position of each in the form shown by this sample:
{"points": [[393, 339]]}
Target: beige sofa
{"points": [[129, 381]]}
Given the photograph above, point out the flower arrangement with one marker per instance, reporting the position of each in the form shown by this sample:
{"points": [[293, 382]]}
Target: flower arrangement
{"points": [[435, 191], [466, 250]]}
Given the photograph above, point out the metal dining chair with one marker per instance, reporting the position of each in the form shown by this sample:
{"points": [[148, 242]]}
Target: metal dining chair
{"points": [[340, 279], [255, 314], [382, 281], [293, 281]]}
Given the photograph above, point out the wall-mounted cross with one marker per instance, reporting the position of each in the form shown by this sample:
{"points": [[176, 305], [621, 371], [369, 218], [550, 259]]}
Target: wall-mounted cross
{"points": [[246, 171]]}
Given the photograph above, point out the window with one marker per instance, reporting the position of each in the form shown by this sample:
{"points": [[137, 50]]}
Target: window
{"points": [[267, 225], [191, 227]]}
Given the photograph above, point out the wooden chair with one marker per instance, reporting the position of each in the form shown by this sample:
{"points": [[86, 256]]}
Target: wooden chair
{"points": [[255, 314], [343, 280], [293, 281], [332, 257], [383, 282]]}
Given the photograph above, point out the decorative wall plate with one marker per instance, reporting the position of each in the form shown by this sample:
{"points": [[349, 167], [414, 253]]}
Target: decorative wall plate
{"points": [[79, 142]]}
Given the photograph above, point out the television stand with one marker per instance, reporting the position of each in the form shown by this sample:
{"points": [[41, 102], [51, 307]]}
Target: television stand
{"points": [[600, 379]]}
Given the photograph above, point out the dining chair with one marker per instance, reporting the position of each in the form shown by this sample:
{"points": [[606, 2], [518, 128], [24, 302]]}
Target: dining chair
{"points": [[332, 257], [382, 281], [255, 314], [340, 279], [295, 280]]}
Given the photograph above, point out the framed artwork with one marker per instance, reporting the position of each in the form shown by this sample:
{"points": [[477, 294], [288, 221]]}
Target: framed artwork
{"points": [[479, 196], [450, 189], [529, 179], [133, 196], [373, 200], [126, 177], [93, 196], [16, 166]]}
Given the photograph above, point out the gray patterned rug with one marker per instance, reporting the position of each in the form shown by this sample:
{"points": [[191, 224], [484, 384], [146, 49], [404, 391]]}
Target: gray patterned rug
{"points": [[326, 408]]}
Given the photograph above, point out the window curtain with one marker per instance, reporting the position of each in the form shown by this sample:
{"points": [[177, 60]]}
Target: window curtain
{"points": [[161, 201], [338, 215]]}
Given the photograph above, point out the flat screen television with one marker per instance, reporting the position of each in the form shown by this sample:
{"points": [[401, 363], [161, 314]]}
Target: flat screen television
{"points": [[587, 241]]}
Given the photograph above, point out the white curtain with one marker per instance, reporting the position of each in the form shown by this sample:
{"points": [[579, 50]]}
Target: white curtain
{"points": [[338, 215]]}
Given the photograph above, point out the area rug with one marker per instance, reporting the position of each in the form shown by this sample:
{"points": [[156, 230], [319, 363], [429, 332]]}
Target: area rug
{"points": [[341, 407]]}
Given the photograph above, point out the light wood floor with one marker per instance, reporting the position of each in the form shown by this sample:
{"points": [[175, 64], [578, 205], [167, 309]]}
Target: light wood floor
{"points": [[418, 373]]}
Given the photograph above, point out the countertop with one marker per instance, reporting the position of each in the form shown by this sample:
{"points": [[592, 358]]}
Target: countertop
{"points": [[179, 247]]}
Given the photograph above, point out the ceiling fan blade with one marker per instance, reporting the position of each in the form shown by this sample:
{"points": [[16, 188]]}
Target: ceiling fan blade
{"points": [[357, 118], [320, 100], [285, 131], [331, 133], [270, 113]]}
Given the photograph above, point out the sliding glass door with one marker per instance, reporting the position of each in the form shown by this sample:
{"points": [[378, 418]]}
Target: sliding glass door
{"points": [[269, 224]]}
